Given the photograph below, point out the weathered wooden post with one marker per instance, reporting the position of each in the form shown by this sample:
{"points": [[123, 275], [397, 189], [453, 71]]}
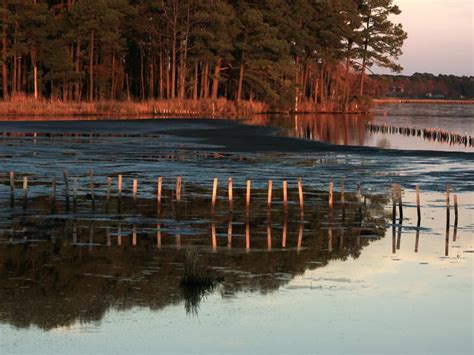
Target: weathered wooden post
{"points": [[179, 182], [25, 192], [74, 193], [448, 207], [247, 198], [119, 186], [159, 190], [418, 208], [394, 203], [247, 236], [270, 192], [300, 237], [12, 189], [91, 187], [284, 232], [229, 234], [269, 236], [135, 190], [300, 193], [285, 195], [400, 203], [214, 194], [53, 194], [66, 189], [214, 237], [455, 210], [230, 194], [331, 192]]}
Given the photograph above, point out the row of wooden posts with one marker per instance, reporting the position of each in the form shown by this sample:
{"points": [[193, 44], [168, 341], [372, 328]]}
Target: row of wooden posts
{"points": [[396, 194], [426, 133], [178, 191]]}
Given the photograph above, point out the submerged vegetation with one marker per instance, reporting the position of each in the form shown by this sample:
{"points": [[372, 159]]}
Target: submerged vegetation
{"points": [[305, 55]]}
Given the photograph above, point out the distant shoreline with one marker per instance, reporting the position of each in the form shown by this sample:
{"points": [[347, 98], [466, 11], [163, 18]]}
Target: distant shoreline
{"points": [[422, 101]]}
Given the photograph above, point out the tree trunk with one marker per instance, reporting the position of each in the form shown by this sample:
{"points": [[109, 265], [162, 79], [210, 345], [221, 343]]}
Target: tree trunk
{"points": [[161, 77], [241, 82], [4, 53], [173, 61], [151, 80], [77, 85], [215, 80], [205, 81], [142, 75], [196, 79], [345, 93], [91, 67]]}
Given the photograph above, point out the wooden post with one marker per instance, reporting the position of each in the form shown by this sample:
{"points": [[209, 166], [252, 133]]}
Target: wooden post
{"points": [[269, 236], [25, 192], [448, 207], [230, 193], [74, 193], [455, 210], [179, 182], [400, 203], [247, 199], [53, 194], [109, 192], [394, 203], [214, 194], [91, 187], [229, 234], [331, 191], [300, 237], [247, 236], [284, 232], [135, 190], [285, 195], [159, 190], [66, 189], [270, 192], [418, 208], [119, 186], [300, 193], [12, 189]]}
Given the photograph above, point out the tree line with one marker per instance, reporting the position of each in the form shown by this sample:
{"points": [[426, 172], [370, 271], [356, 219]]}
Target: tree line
{"points": [[423, 85], [282, 52]]}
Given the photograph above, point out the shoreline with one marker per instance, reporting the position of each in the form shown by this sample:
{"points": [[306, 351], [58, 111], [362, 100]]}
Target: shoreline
{"points": [[422, 101]]}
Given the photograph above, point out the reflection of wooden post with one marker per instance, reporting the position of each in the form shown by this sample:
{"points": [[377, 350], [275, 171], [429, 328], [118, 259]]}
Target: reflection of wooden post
{"points": [[300, 236], [158, 236], [230, 194], [214, 237], [119, 186], [270, 192], [285, 195], [119, 235], [394, 239], [269, 236], [418, 208], [134, 236], [331, 191], [247, 236], [300, 193], [74, 233], [107, 233], [247, 199], [229, 234], [342, 193], [214, 194], [25, 192], [135, 190], [12, 189], [284, 232], [66, 189], [159, 191], [109, 193], [179, 182], [359, 193], [417, 240]]}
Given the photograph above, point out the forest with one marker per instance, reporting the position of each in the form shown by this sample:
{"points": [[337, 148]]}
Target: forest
{"points": [[312, 55]]}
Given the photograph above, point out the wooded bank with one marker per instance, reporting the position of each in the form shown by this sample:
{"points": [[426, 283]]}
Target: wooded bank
{"points": [[304, 55]]}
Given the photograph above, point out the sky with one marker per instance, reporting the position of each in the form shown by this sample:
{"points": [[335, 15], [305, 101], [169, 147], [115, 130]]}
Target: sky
{"points": [[440, 36]]}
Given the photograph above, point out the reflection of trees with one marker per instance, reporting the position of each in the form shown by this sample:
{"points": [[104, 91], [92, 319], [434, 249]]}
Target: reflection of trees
{"points": [[54, 283], [333, 128]]}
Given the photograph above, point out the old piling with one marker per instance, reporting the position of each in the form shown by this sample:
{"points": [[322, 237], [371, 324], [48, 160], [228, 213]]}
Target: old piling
{"points": [[135, 190], [285, 196], [331, 194], [300, 194], [400, 203], [269, 236], [455, 210], [247, 236], [159, 190], [448, 207], [394, 203], [247, 196], [179, 182], [119, 186], [230, 194], [418, 208], [269, 195], [214, 194], [66, 189], [25, 192], [12, 189]]}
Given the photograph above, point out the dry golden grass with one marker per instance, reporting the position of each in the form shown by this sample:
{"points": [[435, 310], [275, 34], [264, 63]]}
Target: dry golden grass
{"points": [[28, 106]]}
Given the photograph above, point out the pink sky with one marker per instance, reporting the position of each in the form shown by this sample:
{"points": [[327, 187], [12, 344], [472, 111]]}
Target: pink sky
{"points": [[440, 36]]}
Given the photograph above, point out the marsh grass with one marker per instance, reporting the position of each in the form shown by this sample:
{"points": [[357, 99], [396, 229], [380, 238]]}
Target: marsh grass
{"points": [[21, 105]]}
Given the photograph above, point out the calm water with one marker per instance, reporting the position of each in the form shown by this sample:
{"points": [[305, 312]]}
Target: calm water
{"points": [[344, 280], [351, 130]]}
